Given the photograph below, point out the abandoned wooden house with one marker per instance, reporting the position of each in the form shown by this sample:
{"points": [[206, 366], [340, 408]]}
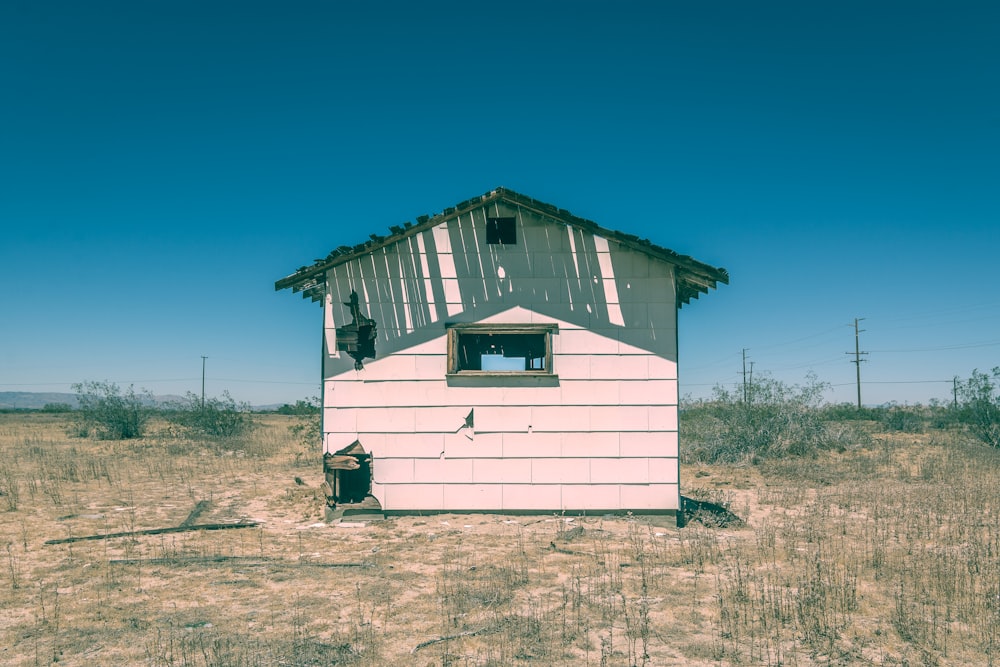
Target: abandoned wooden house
{"points": [[503, 355]]}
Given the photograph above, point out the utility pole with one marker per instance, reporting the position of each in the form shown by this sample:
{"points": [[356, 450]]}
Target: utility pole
{"points": [[857, 355], [746, 392], [954, 391], [203, 358]]}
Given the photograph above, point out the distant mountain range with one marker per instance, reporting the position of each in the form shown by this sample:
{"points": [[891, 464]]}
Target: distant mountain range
{"points": [[32, 400]]}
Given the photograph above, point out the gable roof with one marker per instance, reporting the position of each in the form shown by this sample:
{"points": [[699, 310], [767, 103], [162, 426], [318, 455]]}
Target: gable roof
{"points": [[693, 277]]}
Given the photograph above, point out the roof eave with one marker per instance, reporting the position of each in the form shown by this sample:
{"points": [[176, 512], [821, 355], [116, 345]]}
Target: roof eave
{"points": [[696, 277]]}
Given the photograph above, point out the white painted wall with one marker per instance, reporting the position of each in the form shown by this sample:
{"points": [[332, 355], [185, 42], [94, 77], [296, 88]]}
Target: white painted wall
{"points": [[601, 437]]}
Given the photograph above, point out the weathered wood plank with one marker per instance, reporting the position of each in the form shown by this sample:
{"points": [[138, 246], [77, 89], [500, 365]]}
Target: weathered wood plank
{"points": [[155, 531]]}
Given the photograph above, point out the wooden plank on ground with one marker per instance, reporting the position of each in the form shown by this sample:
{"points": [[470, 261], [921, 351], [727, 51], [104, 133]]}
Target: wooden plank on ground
{"points": [[156, 531]]}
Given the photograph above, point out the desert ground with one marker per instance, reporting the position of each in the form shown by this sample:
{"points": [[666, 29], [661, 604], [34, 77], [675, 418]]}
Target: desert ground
{"points": [[885, 553]]}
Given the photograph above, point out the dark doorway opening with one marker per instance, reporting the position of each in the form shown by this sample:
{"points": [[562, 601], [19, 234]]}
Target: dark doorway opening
{"points": [[349, 473]]}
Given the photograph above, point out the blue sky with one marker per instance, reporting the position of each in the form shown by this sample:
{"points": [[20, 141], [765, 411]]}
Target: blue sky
{"points": [[163, 163]]}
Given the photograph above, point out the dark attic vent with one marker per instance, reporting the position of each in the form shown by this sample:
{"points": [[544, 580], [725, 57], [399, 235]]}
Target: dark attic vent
{"points": [[501, 231]]}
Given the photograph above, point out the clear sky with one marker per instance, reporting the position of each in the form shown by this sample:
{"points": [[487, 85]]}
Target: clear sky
{"points": [[163, 163]]}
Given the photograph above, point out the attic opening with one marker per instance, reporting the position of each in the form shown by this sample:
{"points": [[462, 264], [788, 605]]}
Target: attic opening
{"points": [[349, 474], [501, 231], [510, 349]]}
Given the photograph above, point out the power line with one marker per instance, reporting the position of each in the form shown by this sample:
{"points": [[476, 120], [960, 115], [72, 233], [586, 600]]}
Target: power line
{"points": [[965, 346], [902, 382], [148, 380]]}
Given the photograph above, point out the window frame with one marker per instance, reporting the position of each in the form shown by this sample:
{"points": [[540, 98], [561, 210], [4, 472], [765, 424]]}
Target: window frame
{"points": [[456, 330]]}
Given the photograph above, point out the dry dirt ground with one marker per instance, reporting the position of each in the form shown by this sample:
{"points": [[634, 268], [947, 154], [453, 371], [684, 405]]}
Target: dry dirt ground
{"points": [[886, 554]]}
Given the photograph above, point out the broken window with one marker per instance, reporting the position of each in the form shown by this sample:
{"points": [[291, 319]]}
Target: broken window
{"points": [[357, 338], [501, 231], [500, 348]]}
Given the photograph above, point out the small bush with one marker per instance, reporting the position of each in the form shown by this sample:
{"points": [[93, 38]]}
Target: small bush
{"points": [[307, 430], [215, 417], [301, 408], [902, 419], [57, 408], [108, 413], [770, 419], [979, 406], [842, 412]]}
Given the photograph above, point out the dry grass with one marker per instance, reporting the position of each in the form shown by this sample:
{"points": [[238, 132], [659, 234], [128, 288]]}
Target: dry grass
{"points": [[886, 555]]}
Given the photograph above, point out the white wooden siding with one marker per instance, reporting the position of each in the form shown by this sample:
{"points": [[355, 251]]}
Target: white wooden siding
{"points": [[603, 436]]}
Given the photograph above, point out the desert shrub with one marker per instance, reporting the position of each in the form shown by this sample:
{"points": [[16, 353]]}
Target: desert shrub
{"points": [[979, 405], [843, 412], [57, 408], [214, 417], [302, 408], [307, 430], [108, 413], [769, 419], [943, 416], [901, 418]]}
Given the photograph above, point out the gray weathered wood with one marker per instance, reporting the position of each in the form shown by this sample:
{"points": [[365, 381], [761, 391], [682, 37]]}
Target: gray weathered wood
{"points": [[155, 531]]}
